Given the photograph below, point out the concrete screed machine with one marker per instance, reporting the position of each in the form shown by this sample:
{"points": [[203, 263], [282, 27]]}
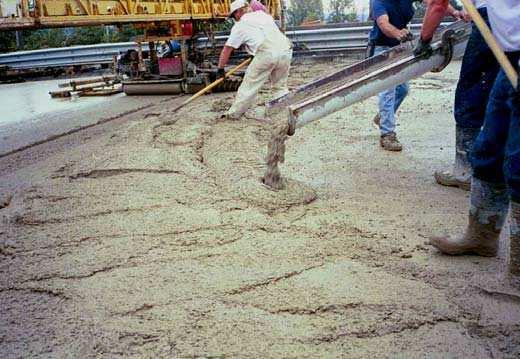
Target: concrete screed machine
{"points": [[191, 24], [174, 54]]}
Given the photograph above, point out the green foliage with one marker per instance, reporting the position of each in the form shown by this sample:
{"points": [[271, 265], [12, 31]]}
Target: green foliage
{"points": [[127, 33], [88, 36], [342, 11], [223, 26], [304, 10], [42, 39], [7, 41], [47, 38]]}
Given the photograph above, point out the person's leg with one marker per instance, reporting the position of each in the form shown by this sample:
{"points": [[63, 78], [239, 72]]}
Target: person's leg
{"points": [[386, 115], [514, 244], [388, 139], [488, 153], [477, 75], [386, 103], [401, 92], [374, 50], [489, 196], [280, 75], [386, 111], [512, 176], [256, 76], [478, 72]]}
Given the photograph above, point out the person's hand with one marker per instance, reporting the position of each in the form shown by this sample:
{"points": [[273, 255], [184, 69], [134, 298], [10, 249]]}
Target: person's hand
{"points": [[221, 73], [423, 48], [404, 35], [461, 15]]}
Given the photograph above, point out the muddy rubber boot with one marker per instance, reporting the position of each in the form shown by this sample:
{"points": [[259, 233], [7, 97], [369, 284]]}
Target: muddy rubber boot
{"points": [[390, 142], [488, 209], [460, 176], [514, 245]]}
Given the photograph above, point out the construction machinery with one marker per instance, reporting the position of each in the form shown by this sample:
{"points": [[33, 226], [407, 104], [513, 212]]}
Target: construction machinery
{"points": [[355, 83], [171, 24]]}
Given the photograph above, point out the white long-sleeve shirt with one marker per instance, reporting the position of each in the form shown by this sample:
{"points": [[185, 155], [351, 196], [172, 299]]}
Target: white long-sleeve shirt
{"points": [[479, 3], [504, 16]]}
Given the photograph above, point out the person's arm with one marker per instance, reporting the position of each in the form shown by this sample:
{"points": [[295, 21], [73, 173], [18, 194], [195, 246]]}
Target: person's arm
{"points": [[434, 14], [390, 30], [233, 42], [224, 56]]}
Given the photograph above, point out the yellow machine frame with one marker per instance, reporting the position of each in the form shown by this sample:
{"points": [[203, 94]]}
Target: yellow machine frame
{"points": [[70, 13]]}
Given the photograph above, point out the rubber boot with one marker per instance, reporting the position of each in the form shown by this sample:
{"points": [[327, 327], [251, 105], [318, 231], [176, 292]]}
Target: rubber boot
{"points": [[488, 209], [461, 173], [514, 245]]}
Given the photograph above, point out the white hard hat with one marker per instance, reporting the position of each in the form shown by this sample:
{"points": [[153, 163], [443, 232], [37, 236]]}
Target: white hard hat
{"points": [[235, 5]]}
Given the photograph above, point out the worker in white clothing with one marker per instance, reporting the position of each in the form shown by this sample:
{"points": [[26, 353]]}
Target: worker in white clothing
{"points": [[272, 51]]}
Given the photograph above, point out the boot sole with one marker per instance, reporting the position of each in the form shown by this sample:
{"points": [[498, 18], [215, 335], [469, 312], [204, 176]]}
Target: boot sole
{"points": [[442, 245], [391, 149], [449, 181]]}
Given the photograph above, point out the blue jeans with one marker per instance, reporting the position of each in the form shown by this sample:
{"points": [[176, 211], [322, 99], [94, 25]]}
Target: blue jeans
{"points": [[389, 101], [496, 154], [477, 75]]}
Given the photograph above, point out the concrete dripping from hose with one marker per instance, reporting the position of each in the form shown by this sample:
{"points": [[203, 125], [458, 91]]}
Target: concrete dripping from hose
{"points": [[275, 155]]}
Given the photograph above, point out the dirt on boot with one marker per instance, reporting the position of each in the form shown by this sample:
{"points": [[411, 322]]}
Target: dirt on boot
{"points": [[390, 142], [448, 179], [275, 155], [480, 239], [514, 242]]}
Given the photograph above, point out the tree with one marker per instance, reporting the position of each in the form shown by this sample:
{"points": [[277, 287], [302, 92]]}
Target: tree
{"points": [[7, 41], [342, 11], [41, 39], [305, 10]]}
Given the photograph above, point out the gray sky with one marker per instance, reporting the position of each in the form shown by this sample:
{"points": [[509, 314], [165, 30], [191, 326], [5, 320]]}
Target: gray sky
{"points": [[359, 3]]}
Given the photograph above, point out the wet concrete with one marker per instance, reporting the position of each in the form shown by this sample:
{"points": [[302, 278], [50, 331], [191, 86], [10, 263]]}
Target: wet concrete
{"points": [[28, 114], [131, 240]]}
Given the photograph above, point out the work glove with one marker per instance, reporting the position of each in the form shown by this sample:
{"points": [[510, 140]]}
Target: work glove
{"points": [[220, 73], [423, 48], [405, 35]]}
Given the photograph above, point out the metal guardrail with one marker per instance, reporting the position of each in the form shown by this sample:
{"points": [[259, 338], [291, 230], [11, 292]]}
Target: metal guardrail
{"points": [[313, 40]]}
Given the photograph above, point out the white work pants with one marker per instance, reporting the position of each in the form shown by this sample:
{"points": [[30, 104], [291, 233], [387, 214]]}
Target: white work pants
{"points": [[267, 65]]}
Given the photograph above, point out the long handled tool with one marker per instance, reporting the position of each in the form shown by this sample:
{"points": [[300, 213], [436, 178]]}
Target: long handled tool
{"points": [[212, 85], [502, 59]]}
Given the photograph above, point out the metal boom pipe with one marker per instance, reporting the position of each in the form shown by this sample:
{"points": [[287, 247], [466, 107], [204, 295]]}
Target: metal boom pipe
{"points": [[355, 83]]}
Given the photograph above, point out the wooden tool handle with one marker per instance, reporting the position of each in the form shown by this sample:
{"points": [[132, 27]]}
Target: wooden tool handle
{"points": [[213, 84], [501, 57]]}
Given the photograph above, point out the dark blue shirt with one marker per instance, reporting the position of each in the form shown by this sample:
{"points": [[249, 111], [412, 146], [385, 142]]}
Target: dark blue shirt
{"points": [[400, 13]]}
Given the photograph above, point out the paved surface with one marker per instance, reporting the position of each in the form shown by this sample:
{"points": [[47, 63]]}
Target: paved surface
{"points": [[127, 241], [29, 114]]}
